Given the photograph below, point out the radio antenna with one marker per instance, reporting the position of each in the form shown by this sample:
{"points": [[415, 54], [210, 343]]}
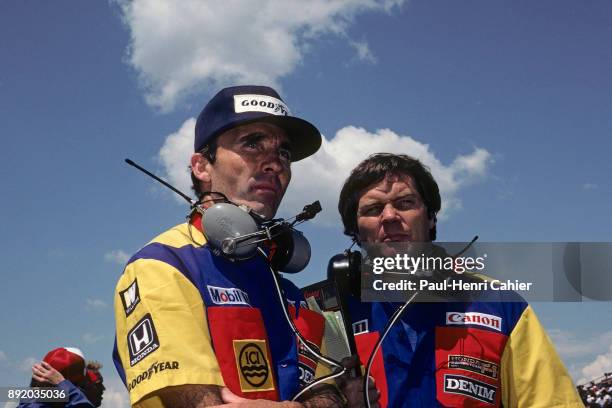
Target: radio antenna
{"points": [[191, 201]]}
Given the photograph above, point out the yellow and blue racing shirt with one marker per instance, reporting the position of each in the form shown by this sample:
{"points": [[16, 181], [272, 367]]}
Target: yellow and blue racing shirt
{"points": [[186, 316], [462, 354]]}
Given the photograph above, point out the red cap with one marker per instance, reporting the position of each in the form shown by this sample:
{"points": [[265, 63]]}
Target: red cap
{"points": [[69, 361], [94, 376]]}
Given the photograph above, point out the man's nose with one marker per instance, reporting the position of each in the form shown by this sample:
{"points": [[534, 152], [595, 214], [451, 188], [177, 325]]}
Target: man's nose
{"points": [[389, 213], [272, 161]]}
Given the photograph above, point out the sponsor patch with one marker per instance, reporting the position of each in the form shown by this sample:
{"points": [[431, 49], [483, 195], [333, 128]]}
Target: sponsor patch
{"points": [[155, 368], [228, 296], [142, 340], [306, 364], [260, 103], [360, 327], [474, 319], [253, 366], [458, 384], [130, 298], [473, 364]]}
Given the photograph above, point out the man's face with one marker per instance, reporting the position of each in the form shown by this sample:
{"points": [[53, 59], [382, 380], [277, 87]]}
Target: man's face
{"points": [[252, 167], [393, 211]]}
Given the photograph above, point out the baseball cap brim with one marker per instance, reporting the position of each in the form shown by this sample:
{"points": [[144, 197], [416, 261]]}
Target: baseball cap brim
{"points": [[304, 137]]}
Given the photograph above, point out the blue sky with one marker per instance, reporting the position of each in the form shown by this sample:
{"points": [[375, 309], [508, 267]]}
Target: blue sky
{"points": [[508, 102]]}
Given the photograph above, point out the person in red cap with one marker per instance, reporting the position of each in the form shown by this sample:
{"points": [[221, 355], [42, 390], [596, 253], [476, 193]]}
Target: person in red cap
{"points": [[64, 368]]}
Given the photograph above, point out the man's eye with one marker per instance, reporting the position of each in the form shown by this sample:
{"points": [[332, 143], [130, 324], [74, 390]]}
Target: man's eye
{"points": [[251, 144], [404, 204], [285, 154], [371, 211]]}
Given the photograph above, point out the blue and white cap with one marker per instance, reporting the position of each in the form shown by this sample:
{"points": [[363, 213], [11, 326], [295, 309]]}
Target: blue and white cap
{"points": [[240, 105]]}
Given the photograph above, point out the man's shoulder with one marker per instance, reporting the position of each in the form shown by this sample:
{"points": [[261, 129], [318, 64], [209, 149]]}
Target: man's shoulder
{"points": [[168, 250], [179, 236]]}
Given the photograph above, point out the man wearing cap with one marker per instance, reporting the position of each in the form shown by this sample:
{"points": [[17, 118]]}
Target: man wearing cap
{"points": [[63, 367], [198, 329]]}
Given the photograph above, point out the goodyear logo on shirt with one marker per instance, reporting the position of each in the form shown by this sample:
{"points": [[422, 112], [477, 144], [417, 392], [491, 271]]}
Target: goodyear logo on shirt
{"points": [[228, 296], [155, 368], [254, 370]]}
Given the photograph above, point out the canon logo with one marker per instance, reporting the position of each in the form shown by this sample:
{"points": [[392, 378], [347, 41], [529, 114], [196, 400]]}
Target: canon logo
{"points": [[474, 318]]}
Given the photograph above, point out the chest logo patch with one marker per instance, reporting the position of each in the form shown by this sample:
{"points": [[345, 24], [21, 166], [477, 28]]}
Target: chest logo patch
{"points": [[253, 365], [458, 384], [474, 319], [228, 296], [130, 298], [473, 364], [142, 340]]}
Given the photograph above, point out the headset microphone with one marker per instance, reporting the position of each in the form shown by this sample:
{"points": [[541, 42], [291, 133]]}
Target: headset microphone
{"points": [[235, 231]]}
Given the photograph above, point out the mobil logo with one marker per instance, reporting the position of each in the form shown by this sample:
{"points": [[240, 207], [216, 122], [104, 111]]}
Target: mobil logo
{"points": [[228, 296]]}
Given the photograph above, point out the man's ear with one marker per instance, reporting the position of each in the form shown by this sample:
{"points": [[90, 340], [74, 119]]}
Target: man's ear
{"points": [[201, 167]]}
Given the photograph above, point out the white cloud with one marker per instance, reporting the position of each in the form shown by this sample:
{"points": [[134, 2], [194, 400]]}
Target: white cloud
{"points": [[117, 256], [26, 364], [363, 51], [590, 186], [11, 405], [320, 177], [582, 348], [181, 48], [600, 365], [175, 156], [95, 304], [570, 345], [115, 395], [3, 357]]}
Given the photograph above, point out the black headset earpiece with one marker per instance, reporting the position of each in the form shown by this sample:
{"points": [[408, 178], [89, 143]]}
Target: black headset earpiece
{"points": [[345, 270], [292, 252]]}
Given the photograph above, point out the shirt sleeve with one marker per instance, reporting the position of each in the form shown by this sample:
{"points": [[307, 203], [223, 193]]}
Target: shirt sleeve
{"points": [[76, 398], [532, 373], [162, 333]]}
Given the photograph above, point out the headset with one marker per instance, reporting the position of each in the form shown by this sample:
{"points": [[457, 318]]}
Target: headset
{"points": [[238, 233]]}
